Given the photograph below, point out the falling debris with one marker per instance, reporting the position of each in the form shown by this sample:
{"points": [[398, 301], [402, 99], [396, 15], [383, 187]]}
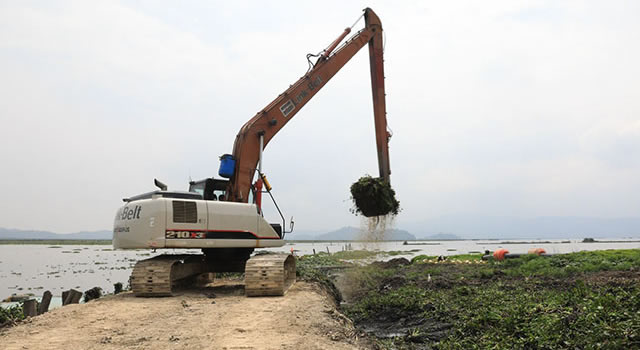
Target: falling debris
{"points": [[376, 228], [374, 197]]}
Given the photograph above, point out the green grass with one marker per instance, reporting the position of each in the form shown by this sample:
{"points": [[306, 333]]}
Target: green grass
{"points": [[313, 268], [355, 254], [518, 317], [562, 265], [11, 314], [563, 301]]}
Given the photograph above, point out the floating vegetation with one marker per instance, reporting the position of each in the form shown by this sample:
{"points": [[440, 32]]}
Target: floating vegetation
{"points": [[373, 197], [578, 301]]}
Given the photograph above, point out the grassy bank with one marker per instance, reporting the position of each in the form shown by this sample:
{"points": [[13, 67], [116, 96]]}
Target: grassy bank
{"points": [[57, 241], [581, 300], [10, 315]]}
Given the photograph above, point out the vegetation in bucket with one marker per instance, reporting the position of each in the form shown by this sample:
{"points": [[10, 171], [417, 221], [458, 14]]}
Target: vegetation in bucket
{"points": [[374, 197]]}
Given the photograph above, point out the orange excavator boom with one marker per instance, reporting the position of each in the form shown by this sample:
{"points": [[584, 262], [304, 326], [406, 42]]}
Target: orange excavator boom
{"points": [[259, 130]]}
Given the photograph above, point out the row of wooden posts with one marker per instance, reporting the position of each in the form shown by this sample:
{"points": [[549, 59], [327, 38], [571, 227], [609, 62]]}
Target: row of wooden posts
{"points": [[345, 247], [30, 307]]}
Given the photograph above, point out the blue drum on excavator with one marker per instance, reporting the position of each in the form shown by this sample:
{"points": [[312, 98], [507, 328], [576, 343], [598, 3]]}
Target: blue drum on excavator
{"points": [[227, 166]]}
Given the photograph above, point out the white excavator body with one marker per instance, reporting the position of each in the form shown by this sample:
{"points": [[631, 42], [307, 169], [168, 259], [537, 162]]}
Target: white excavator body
{"points": [[227, 233], [161, 221]]}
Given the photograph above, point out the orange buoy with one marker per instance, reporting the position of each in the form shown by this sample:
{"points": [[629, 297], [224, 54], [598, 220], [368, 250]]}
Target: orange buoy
{"points": [[500, 253], [537, 251]]}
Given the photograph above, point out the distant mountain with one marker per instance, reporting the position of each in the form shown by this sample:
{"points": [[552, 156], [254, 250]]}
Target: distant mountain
{"points": [[295, 236], [441, 237], [303, 235], [447, 227], [356, 234], [549, 227], [31, 234]]}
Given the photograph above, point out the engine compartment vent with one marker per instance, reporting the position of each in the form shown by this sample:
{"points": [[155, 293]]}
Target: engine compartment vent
{"points": [[185, 212]]}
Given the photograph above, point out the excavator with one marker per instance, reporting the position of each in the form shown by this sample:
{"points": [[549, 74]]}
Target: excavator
{"points": [[223, 216]]}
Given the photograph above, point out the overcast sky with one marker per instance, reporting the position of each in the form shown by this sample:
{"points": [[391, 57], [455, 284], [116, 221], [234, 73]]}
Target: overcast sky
{"points": [[499, 108]]}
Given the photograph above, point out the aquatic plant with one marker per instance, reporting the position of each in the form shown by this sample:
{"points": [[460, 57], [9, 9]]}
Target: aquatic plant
{"points": [[579, 300], [11, 314], [374, 197]]}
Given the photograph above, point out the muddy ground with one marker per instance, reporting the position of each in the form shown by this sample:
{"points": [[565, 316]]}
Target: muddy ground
{"points": [[218, 317]]}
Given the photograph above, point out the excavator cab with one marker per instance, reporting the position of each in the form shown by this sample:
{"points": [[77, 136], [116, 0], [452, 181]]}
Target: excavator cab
{"points": [[211, 189]]}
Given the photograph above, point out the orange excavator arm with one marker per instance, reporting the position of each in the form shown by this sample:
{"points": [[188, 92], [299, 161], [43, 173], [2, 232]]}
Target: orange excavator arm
{"points": [[276, 115]]}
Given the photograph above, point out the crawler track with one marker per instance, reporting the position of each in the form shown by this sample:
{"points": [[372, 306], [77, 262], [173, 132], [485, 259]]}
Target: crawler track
{"points": [[269, 274], [157, 277], [265, 275]]}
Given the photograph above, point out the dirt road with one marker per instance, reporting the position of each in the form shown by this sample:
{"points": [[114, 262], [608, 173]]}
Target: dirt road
{"points": [[218, 317]]}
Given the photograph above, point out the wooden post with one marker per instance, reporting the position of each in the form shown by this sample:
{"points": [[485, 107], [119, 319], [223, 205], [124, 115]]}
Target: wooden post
{"points": [[328, 252], [44, 304], [117, 288], [314, 251], [29, 308], [72, 297]]}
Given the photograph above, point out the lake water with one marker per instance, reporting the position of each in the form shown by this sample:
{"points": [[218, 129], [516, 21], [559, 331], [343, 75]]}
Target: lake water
{"points": [[37, 268]]}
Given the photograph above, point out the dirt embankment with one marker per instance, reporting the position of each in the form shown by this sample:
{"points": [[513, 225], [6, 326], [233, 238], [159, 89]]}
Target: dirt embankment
{"points": [[219, 317]]}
